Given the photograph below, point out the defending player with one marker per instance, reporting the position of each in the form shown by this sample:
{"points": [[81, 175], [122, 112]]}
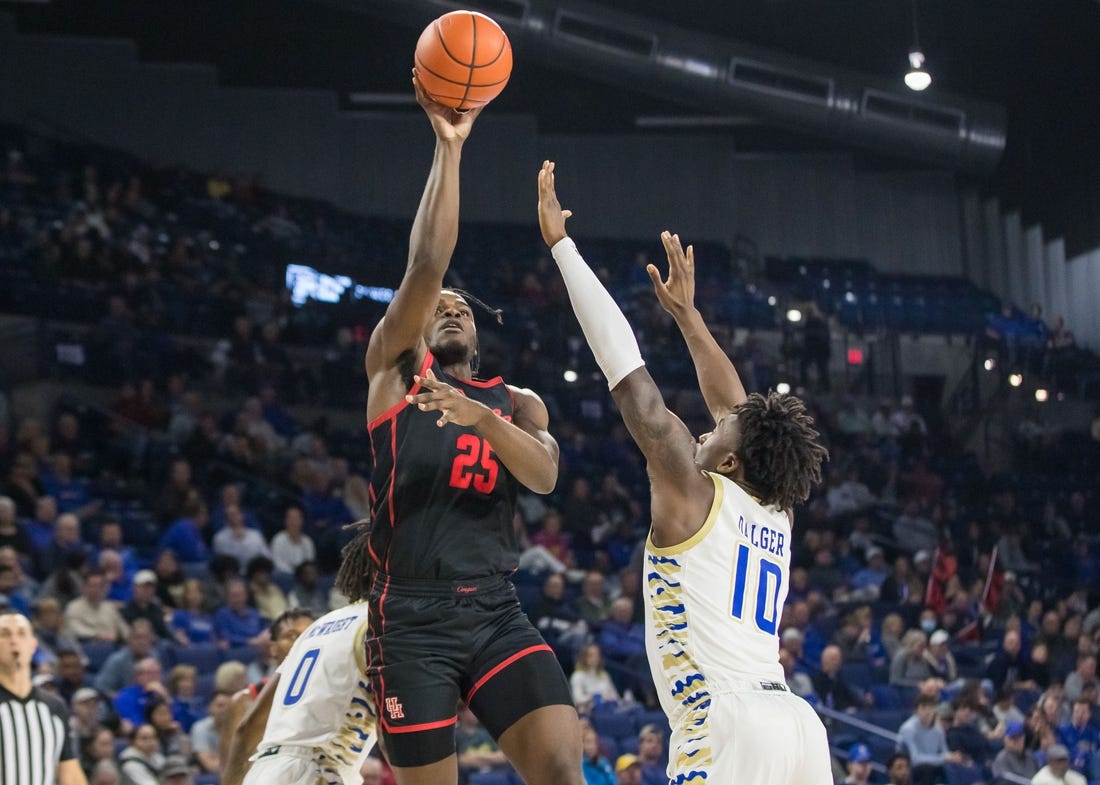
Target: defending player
{"points": [[717, 559], [284, 632], [449, 454], [315, 713]]}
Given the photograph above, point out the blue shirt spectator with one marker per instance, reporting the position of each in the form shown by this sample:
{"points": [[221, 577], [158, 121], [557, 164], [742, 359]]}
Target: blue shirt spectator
{"points": [[1080, 736], [237, 624], [185, 537]]}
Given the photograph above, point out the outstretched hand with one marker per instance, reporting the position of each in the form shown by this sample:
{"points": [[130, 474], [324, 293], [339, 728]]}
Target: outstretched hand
{"points": [[551, 216], [677, 294], [451, 402], [450, 124]]}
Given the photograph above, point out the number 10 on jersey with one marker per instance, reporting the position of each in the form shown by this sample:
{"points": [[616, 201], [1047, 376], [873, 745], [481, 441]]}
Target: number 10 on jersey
{"points": [[757, 586]]}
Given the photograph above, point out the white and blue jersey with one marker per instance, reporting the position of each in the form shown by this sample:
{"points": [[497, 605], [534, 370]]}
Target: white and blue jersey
{"points": [[322, 702], [713, 606]]}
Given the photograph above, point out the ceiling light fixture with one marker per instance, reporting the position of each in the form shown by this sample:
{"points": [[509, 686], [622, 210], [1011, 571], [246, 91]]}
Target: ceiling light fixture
{"points": [[916, 78]]}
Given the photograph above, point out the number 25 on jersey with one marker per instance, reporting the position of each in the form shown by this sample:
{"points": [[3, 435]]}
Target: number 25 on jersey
{"points": [[756, 585], [474, 465]]}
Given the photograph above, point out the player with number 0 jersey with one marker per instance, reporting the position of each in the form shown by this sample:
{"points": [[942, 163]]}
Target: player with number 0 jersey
{"points": [[717, 559], [320, 724]]}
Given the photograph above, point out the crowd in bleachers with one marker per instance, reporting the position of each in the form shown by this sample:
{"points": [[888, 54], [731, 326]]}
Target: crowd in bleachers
{"points": [[152, 541]]}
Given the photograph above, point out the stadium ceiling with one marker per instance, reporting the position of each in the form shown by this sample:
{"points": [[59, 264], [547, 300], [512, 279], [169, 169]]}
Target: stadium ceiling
{"points": [[1038, 60]]}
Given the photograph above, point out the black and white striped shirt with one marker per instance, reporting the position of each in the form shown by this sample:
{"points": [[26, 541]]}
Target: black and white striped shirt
{"points": [[34, 738]]}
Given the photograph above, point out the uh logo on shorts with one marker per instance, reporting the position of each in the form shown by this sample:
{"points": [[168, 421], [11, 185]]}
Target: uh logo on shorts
{"points": [[395, 709]]}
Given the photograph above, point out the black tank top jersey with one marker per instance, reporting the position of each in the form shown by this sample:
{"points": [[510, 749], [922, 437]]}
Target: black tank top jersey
{"points": [[441, 501]]}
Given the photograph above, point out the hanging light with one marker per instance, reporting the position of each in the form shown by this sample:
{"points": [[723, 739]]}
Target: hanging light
{"points": [[916, 78]]}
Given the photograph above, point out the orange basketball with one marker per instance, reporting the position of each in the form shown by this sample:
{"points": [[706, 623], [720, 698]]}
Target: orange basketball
{"points": [[463, 59]]}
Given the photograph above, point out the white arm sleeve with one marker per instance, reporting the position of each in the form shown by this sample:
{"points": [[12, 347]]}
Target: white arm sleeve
{"points": [[605, 327]]}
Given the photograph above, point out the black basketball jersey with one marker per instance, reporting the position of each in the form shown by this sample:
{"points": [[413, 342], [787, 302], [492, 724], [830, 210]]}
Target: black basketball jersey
{"points": [[441, 501]]}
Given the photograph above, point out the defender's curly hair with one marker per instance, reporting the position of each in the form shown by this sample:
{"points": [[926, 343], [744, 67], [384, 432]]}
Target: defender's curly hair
{"points": [[780, 448], [356, 572]]}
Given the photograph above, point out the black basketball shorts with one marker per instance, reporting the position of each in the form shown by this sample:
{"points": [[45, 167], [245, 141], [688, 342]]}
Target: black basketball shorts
{"points": [[433, 643]]}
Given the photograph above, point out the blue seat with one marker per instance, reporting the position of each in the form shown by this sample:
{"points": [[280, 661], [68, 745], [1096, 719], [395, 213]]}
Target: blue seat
{"points": [[211, 778], [245, 654], [206, 657], [618, 723], [657, 718], [886, 697], [856, 674], [609, 747], [97, 653]]}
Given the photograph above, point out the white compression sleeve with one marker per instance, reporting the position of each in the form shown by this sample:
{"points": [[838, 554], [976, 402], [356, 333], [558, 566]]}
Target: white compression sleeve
{"points": [[604, 325]]}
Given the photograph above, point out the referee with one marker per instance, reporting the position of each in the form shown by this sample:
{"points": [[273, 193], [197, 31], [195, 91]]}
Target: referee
{"points": [[35, 747]]}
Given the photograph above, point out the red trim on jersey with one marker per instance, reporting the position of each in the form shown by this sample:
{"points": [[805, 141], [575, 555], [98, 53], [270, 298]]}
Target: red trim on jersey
{"points": [[415, 728], [502, 666], [479, 383], [393, 411]]}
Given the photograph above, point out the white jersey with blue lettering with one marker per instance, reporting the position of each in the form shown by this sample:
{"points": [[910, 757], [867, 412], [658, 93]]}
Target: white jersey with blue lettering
{"points": [[322, 709], [713, 606]]}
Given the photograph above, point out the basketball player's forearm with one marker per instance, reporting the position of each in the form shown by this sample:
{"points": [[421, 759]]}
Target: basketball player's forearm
{"points": [[603, 323], [718, 380], [529, 460], [435, 230]]}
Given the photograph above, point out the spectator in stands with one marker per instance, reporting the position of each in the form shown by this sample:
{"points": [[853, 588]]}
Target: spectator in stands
{"points": [[964, 735], [558, 619], [590, 681], [70, 492], [831, 690], [206, 734], [173, 741], [145, 605], [939, 657], [23, 486], [91, 617], [596, 768], [628, 770], [292, 546], [85, 709], [1014, 758], [65, 543], [110, 539], [551, 537], [231, 497], [898, 769], [10, 597], [266, 595], [909, 667], [170, 579], [594, 603], [858, 765], [132, 700], [47, 629], [1080, 676], [141, 762], [118, 669], [237, 540], [307, 591], [475, 747], [915, 533], [1057, 770], [178, 492], [798, 682], [1081, 738], [119, 585], [652, 756], [867, 583], [1004, 708], [191, 623], [238, 623], [926, 743], [816, 347], [1009, 666], [622, 640], [96, 749], [70, 674], [185, 536], [12, 533], [185, 707]]}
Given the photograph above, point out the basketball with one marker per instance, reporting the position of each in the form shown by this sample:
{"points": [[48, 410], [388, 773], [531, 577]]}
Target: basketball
{"points": [[463, 60]]}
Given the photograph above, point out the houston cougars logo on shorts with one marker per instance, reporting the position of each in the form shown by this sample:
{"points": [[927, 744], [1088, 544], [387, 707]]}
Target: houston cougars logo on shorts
{"points": [[395, 709]]}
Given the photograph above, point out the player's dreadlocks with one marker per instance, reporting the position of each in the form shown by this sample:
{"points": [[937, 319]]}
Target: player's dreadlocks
{"points": [[780, 448], [356, 572]]}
